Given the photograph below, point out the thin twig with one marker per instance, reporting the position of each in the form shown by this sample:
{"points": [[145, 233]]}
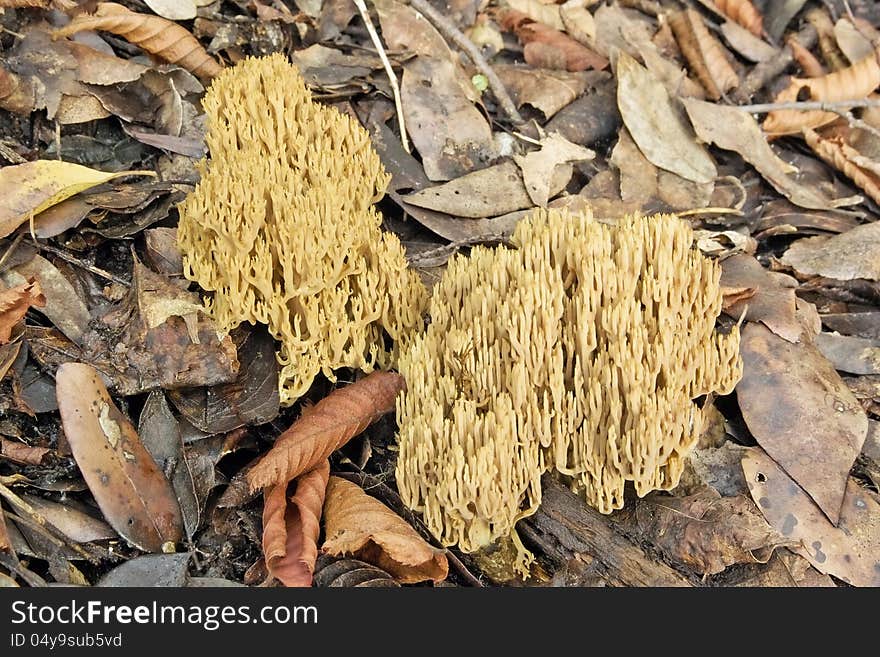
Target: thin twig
{"points": [[451, 32], [82, 265], [807, 105], [392, 78]]}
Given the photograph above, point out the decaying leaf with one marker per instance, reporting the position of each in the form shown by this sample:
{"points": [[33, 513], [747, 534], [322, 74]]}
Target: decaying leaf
{"points": [[657, 126], [344, 573], [132, 493], [746, 43], [705, 531], [638, 177], [324, 428], [28, 189], [578, 21], [850, 354], [158, 36], [542, 41], [785, 569], [744, 13], [71, 521], [773, 301], [853, 82], [14, 304], [848, 256], [801, 412], [704, 53], [290, 531], [849, 551], [835, 151], [538, 167], [451, 135], [21, 453], [548, 91], [539, 11], [154, 570], [361, 526], [732, 129], [724, 242]]}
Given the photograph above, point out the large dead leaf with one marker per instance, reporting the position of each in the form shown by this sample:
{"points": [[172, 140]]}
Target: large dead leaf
{"points": [[801, 412], [705, 531], [290, 531], [547, 47], [28, 189], [359, 525], [451, 135], [703, 52], [538, 167], [488, 192], [546, 90], [326, 427], [132, 493], [854, 82], [657, 125], [848, 256], [14, 304], [850, 551], [773, 299], [733, 129], [158, 36]]}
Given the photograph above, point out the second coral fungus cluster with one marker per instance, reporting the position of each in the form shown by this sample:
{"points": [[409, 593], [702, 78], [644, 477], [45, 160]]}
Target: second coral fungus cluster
{"points": [[579, 351], [283, 231]]}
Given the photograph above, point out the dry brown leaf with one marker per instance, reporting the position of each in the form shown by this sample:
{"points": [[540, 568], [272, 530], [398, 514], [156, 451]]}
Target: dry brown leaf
{"points": [[132, 493], [576, 56], [14, 304], [538, 167], [850, 354], [846, 159], [158, 36], [638, 177], [850, 550], [538, 11], [547, 91], [578, 22], [801, 412], [359, 525], [21, 453], [290, 531], [704, 53], [854, 41], [773, 303], [326, 427], [744, 13], [811, 66], [845, 257], [705, 531], [5, 541], [851, 83]]}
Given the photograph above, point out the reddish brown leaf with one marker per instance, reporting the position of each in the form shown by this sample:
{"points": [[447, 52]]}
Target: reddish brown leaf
{"points": [[576, 56], [326, 427], [132, 493], [21, 453], [744, 13], [155, 34], [290, 531], [801, 412], [704, 53], [14, 303], [359, 525]]}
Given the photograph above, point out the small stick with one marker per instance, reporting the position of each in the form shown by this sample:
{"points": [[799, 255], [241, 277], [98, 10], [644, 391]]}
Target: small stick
{"points": [[392, 78], [451, 32], [825, 106], [83, 265]]}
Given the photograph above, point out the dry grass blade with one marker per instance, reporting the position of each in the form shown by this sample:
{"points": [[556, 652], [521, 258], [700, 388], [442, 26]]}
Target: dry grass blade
{"points": [[852, 83], [321, 430], [290, 531], [359, 525], [744, 13], [704, 53], [846, 159], [158, 36], [14, 304]]}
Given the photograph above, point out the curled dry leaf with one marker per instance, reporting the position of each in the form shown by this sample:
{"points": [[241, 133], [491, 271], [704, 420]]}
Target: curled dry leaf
{"points": [[703, 52], [744, 13], [359, 525], [576, 56], [28, 189], [158, 36], [851, 83], [548, 91], [845, 257], [14, 304], [21, 453], [132, 493], [811, 66], [802, 413], [835, 151], [326, 427], [850, 550], [290, 531]]}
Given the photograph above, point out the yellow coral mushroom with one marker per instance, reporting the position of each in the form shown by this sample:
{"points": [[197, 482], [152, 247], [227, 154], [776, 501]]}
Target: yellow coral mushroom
{"points": [[282, 228], [581, 351]]}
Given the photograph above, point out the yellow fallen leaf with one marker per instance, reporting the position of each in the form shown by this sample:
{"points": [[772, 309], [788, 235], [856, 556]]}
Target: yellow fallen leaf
{"points": [[28, 189]]}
